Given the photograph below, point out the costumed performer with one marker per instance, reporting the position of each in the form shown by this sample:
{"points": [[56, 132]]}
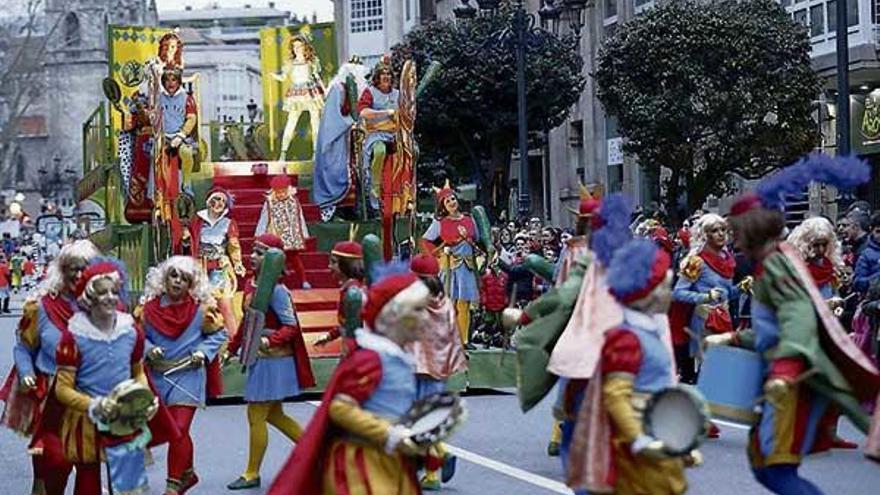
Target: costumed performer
{"points": [[31, 406], [306, 91], [281, 370], [353, 444], [378, 106], [810, 361], [452, 237], [102, 349], [4, 284], [212, 237], [611, 451], [183, 328], [282, 215], [438, 355], [335, 174], [347, 266]]}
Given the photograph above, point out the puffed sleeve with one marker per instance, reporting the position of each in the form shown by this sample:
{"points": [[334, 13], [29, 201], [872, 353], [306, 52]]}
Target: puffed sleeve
{"points": [[67, 357], [28, 339], [621, 353], [621, 358], [358, 376]]}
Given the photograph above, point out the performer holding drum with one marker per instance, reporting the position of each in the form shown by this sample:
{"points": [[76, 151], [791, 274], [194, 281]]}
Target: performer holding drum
{"points": [[31, 406], [356, 442], [184, 331], [809, 361], [636, 363]]}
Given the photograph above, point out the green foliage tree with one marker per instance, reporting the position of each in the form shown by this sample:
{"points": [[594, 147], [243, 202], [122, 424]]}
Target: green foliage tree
{"points": [[709, 90], [468, 116]]}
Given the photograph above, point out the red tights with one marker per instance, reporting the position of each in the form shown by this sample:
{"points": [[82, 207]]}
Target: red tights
{"points": [[51, 467], [88, 479], [180, 451], [295, 278]]}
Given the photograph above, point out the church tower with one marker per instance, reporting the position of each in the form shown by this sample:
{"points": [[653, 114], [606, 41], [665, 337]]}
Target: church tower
{"points": [[77, 63]]}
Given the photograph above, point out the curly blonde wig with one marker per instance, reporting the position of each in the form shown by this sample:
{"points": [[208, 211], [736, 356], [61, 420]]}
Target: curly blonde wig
{"points": [[811, 230], [699, 228], [200, 289], [53, 282]]}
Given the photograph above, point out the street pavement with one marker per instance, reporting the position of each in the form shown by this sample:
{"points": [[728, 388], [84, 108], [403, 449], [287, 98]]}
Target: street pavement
{"points": [[501, 451]]}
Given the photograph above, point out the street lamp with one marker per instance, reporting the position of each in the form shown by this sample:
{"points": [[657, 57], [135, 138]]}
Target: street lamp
{"points": [[520, 37]]}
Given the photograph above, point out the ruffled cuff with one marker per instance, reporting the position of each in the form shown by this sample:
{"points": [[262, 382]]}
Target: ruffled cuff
{"points": [[396, 434]]}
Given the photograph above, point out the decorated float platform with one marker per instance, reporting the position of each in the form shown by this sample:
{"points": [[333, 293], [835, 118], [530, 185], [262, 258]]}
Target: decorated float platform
{"points": [[236, 156]]}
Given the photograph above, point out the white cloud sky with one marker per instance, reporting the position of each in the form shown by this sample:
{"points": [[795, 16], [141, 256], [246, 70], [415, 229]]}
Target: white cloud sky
{"points": [[324, 8]]}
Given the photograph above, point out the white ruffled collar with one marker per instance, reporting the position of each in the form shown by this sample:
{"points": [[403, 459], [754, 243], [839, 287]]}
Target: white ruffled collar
{"points": [[80, 325], [203, 214], [380, 343], [640, 319]]}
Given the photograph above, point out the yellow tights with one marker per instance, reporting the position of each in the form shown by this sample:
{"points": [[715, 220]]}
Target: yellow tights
{"points": [[260, 413], [463, 318], [437, 450]]}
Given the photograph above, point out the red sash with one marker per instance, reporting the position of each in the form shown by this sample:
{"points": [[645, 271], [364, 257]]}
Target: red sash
{"points": [[722, 262], [171, 320], [821, 270]]}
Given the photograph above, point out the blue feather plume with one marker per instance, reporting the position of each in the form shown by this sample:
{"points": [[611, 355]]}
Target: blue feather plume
{"points": [[615, 212], [631, 266], [381, 271], [842, 172]]}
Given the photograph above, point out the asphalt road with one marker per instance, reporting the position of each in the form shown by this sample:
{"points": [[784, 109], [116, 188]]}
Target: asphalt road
{"points": [[502, 452]]}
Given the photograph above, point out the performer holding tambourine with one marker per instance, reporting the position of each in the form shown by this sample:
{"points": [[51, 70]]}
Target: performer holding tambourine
{"points": [[369, 429]]}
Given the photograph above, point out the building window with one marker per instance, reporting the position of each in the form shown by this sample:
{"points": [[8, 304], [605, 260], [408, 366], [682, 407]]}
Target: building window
{"points": [[408, 9], [817, 20], [852, 14], [366, 15], [71, 30], [610, 8], [800, 17]]}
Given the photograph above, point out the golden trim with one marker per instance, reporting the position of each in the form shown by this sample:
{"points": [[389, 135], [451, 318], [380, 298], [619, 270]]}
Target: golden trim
{"points": [[345, 255]]}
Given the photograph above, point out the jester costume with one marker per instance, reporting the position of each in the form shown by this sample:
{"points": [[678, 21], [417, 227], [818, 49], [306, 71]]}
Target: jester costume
{"points": [[811, 363], [351, 444], [452, 240], [281, 370], [37, 412], [181, 329], [282, 215], [611, 453]]}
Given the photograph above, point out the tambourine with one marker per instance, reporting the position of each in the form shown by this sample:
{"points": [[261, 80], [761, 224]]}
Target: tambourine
{"points": [[678, 416], [434, 418], [131, 405]]}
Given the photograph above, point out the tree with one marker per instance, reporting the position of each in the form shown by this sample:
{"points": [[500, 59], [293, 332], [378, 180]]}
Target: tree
{"points": [[468, 116], [25, 33], [709, 91]]}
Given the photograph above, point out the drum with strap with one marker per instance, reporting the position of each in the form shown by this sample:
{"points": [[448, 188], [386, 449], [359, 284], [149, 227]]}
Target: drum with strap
{"points": [[731, 379], [679, 417]]}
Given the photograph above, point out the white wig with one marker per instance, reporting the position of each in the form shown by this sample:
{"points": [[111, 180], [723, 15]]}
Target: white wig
{"points": [[811, 230], [53, 283], [699, 228], [200, 289]]}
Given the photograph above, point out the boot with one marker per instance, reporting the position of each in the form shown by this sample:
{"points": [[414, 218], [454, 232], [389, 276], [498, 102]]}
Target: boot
{"points": [[6, 305]]}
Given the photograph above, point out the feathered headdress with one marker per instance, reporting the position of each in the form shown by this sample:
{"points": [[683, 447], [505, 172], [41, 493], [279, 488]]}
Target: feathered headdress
{"points": [[611, 230], [636, 270], [441, 193], [842, 172]]}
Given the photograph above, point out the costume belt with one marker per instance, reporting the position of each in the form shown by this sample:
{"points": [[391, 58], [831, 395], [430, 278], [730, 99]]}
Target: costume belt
{"points": [[703, 310], [276, 352]]}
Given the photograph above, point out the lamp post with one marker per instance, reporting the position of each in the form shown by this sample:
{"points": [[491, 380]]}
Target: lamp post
{"points": [[520, 36]]}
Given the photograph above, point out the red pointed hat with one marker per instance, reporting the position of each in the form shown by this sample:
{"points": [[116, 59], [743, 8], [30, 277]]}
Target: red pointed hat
{"points": [[219, 190], [270, 241], [280, 182], [425, 265], [92, 271], [383, 291], [348, 249], [444, 192]]}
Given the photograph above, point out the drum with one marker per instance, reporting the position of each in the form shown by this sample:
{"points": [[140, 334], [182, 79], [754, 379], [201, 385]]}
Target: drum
{"points": [[731, 379], [679, 417], [434, 418]]}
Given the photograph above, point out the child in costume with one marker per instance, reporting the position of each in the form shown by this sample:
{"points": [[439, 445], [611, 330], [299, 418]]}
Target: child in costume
{"points": [[615, 454], [811, 363], [347, 266], [353, 444], [451, 237], [31, 406], [438, 354], [101, 349], [184, 331], [282, 368], [282, 215]]}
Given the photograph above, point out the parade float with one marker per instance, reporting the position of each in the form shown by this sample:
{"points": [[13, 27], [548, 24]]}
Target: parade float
{"points": [[171, 183]]}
